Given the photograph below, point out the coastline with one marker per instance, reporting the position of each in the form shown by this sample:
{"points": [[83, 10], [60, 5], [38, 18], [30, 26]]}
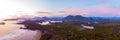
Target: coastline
{"points": [[38, 35]]}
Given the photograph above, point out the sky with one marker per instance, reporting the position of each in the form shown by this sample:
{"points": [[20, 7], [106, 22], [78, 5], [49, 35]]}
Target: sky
{"points": [[102, 8], [32, 8], [20, 8]]}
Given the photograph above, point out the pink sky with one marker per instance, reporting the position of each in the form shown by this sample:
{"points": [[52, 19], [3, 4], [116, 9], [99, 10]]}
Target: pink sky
{"points": [[102, 10]]}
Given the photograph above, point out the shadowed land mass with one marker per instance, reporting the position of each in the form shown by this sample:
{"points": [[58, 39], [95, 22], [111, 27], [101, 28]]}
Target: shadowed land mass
{"points": [[75, 31]]}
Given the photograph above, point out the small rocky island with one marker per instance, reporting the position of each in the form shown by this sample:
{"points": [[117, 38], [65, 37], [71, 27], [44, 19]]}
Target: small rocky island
{"points": [[2, 23]]}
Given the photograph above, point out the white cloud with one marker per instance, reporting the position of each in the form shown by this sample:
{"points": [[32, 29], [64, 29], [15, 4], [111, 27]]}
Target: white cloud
{"points": [[13, 7]]}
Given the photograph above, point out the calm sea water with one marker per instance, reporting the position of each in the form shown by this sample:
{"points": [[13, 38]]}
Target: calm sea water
{"points": [[9, 27], [11, 31]]}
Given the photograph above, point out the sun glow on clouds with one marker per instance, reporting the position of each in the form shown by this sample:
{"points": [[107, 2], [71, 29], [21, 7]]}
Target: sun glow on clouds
{"points": [[94, 12], [9, 8], [75, 12]]}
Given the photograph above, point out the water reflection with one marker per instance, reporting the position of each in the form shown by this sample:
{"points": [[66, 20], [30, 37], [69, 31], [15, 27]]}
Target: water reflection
{"points": [[11, 31], [9, 27]]}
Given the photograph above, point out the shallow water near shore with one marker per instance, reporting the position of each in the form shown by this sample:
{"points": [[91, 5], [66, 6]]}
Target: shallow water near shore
{"points": [[11, 31]]}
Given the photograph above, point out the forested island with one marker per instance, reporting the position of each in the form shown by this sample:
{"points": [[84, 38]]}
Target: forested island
{"points": [[74, 31]]}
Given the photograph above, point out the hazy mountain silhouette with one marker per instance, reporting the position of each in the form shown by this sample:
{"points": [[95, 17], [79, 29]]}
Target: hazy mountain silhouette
{"points": [[76, 18]]}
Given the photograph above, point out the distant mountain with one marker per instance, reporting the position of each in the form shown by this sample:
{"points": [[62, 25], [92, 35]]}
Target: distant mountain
{"points": [[48, 18], [105, 19], [10, 19], [40, 19], [56, 18], [76, 18], [45, 18], [113, 18], [98, 19]]}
